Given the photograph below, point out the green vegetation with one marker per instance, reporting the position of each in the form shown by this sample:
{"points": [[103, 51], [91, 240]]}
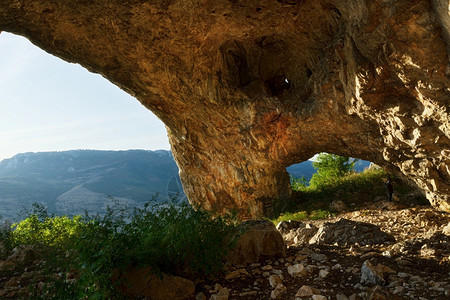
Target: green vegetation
{"points": [[44, 230], [336, 180], [330, 167], [171, 238]]}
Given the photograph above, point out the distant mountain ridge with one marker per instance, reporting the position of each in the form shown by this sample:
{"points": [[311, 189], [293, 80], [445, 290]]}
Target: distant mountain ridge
{"points": [[71, 182]]}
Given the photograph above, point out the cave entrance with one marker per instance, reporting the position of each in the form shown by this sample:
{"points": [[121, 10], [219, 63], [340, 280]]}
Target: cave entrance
{"points": [[305, 170], [363, 184], [49, 105]]}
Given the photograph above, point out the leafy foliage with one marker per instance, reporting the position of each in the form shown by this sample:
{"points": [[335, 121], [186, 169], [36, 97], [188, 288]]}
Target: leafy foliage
{"points": [[330, 167], [171, 238], [317, 214], [45, 230], [5, 239], [298, 184]]}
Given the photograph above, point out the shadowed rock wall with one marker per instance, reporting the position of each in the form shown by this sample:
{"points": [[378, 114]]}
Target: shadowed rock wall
{"points": [[247, 89]]}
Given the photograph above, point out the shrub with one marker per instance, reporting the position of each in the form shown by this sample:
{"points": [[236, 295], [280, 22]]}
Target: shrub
{"points": [[298, 184], [52, 231], [5, 239], [172, 238], [330, 167]]}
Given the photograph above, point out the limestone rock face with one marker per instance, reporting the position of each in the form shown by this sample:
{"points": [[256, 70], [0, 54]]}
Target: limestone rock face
{"points": [[248, 88]]}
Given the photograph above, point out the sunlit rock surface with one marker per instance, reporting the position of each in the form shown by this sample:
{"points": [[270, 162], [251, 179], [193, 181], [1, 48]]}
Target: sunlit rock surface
{"points": [[249, 88]]}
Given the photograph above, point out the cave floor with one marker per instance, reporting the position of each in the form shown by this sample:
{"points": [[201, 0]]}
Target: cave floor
{"points": [[416, 265]]}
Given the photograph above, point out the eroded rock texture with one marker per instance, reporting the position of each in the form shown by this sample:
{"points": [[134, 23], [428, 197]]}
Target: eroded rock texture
{"points": [[247, 88]]}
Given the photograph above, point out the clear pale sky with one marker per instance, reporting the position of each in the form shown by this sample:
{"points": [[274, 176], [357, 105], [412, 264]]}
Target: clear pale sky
{"points": [[47, 104]]}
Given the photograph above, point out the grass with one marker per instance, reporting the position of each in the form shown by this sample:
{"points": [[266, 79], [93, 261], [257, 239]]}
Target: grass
{"points": [[354, 189], [318, 214]]}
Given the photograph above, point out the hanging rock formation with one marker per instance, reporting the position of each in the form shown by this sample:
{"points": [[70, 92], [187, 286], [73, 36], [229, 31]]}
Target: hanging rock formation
{"points": [[249, 88]]}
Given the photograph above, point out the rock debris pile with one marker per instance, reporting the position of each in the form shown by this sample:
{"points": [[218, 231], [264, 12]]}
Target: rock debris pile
{"points": [[367, 254]]}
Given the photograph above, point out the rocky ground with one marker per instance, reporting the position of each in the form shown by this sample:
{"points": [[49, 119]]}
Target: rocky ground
{"points": [[383, 252]]}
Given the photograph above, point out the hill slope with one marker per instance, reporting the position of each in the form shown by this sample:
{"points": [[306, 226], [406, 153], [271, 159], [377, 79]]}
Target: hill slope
{"points": [[70, 182]]}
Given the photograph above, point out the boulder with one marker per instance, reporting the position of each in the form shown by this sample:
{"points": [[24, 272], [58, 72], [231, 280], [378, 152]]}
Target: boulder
{"points": [[347, 232], [222, 293], [22, 254], [375, 274], [307, 291], [141, 282], [286, 226], [296, 270], [259, 240], [279, 289], [300, 235], [338, 206], [379, 293], [275, 280]]}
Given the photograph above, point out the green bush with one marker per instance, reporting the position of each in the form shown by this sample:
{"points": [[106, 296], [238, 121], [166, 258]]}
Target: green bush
{"points": [[52, 231], [298, 184], [354, 189], [171, 238], [5, 239], [330, 167]]}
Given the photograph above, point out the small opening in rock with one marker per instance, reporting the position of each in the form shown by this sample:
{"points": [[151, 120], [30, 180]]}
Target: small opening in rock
{"points": [[337, 11], [235, 62], [308, 72], [277, 85], [302, 173], [344, 184]]}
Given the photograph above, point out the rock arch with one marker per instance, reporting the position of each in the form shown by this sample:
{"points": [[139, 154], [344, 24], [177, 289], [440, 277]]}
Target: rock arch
{"points": [[247, 89]]}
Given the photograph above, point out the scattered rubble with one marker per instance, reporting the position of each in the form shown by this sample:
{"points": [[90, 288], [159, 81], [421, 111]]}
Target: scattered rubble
{"points": [[367, 254], [375, 274]]}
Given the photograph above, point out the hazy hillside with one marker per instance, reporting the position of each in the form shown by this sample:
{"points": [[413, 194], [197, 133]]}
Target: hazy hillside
{"points": [[71, 182]]}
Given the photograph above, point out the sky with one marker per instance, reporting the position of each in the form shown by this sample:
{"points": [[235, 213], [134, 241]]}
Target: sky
{"points": [[47, 104]]}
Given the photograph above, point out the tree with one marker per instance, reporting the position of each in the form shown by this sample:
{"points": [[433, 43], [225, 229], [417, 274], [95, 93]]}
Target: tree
{"points": [[298, 184], [330, 167]]}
